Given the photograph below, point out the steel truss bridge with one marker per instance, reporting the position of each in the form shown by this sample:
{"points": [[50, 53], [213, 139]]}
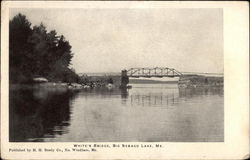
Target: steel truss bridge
{"points": [[163, 72], [153, 72]]}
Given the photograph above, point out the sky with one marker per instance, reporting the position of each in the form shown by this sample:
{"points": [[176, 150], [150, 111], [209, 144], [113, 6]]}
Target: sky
{"points": [[109, 40]]}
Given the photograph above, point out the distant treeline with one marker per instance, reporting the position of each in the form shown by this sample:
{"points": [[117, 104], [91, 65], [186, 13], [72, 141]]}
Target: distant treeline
{"points": [[36, 52]]}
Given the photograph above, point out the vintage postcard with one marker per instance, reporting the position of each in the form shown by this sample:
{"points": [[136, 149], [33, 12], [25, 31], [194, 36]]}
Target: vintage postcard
{"points": [[124, 80]]}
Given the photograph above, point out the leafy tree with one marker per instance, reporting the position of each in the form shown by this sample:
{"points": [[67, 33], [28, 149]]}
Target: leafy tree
{"points": [[37, 52], [20, 50]]}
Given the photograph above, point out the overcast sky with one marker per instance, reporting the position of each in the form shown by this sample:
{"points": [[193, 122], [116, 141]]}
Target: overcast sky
{"points": [[109, 40]]}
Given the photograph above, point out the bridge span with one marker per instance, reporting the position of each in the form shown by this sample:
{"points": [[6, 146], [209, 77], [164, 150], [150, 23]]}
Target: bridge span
{"points": [[184, 77], [153, 72]]}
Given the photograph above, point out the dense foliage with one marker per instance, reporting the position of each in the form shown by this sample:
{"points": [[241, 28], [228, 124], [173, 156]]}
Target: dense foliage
{"points": [[35, 52]]}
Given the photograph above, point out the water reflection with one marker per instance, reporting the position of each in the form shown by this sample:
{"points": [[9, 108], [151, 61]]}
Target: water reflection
{"points": [[35, 114], [152, 112], [153, 100], [192, 92], [162, 98]]}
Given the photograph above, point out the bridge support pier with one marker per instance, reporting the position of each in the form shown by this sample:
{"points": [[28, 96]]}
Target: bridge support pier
{"points": [[124, 79]]}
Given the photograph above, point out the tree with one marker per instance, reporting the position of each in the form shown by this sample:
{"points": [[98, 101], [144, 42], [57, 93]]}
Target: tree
{"points": [[37, 52], [20, 54]]}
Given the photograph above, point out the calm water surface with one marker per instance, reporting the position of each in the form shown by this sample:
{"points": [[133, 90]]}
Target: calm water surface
{"points": [[145, 113]]}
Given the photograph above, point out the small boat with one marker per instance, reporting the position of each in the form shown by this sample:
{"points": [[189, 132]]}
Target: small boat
{"points": [[40, 80]]}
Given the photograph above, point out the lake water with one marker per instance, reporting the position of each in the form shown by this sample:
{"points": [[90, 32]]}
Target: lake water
{"points": [[145, 113]]}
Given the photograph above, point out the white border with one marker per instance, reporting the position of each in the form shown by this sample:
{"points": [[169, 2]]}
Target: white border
{"points": [[236, 84]]}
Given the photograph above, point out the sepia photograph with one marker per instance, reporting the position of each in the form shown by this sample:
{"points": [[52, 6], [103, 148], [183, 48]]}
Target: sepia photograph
{"points": [[124, 76], [155, 75]]}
